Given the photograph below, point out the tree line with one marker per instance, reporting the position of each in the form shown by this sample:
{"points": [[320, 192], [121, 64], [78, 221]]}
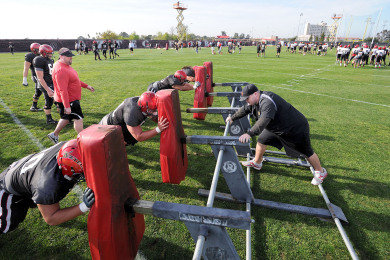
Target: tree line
{"points": [[167, 36]]}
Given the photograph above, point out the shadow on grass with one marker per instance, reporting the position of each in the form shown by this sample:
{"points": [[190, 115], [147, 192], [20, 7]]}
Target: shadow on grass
{"points": [[96, 117], [260, 240], [158, 248], [359, 221], [27, 245], [322, 137]]}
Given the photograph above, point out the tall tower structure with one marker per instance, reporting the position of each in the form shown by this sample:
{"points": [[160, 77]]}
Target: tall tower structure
{"points": [[368, 21], [333, 28], [180, 17]]}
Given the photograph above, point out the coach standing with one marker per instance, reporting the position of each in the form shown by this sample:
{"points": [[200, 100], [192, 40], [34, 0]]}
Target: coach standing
{"points": [[67, 93]]}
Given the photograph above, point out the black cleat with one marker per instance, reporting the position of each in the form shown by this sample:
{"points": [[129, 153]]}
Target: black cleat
{"points": [[51, 121], [35, 109]]}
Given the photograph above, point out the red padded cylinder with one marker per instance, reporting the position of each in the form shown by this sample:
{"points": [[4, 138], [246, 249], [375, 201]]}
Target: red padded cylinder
{"points": [[112, 233], [209, 81], [173, 152], [200, 100]]}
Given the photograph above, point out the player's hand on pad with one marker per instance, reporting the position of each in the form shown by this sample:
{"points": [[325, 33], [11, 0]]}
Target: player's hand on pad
{"points": [[245, 138], [163, 123], [197, 84]]}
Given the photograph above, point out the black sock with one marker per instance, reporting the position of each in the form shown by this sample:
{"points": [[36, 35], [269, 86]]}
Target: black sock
{"points": [[48, 117], [35, 104]]}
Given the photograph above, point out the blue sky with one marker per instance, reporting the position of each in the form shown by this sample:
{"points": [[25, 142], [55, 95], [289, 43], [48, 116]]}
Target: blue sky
{"points": [[73, 18]]}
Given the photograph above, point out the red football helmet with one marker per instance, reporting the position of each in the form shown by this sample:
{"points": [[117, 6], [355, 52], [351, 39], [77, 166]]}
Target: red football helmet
{"points": [[109, 41], [34, 47], [94, 42], [181, 75], [147, 101], [69, 159], [45, 49]]}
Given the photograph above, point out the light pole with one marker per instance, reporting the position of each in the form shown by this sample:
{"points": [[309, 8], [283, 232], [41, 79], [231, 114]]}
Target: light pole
{"points": [[299, 23]]}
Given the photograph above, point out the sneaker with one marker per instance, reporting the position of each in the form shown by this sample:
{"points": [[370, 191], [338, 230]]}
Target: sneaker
{"points": [[251, 163], [35, 109], [53, 137], [51, 121], [319, 177]]}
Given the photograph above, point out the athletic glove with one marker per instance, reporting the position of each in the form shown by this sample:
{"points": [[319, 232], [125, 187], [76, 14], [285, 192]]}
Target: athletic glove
{"points": [[25, 83], [88, 200], [196, 85]]}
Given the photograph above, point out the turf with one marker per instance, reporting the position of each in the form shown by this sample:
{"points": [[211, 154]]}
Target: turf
{"points": [[348, 110]]}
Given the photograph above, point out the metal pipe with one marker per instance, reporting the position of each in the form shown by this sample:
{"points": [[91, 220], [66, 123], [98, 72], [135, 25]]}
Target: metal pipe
{"points": [[248, 209], [210, 201], [347, 242]]}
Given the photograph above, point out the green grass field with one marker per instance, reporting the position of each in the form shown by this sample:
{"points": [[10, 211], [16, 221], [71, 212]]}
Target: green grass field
{"points": [[348, 111]]}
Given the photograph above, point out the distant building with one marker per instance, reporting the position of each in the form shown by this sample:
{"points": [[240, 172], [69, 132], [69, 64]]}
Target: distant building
{"points": [[315, 30]]}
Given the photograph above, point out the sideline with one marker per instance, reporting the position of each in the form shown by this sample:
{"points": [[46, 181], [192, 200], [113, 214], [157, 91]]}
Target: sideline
{"points": [[23, 127]]}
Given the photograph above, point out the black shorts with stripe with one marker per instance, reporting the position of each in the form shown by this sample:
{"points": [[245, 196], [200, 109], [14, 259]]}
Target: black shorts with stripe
{"points": [[13, 210], [296, 144], [75, 111]]}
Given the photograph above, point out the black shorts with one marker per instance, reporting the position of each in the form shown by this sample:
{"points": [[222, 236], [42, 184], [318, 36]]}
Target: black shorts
{"points": [[295, 144], [13, 211], [75, 108], [48, 100], [278, 50], [131, 49]]}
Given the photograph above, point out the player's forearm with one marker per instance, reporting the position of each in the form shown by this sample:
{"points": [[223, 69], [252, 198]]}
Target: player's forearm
{"points": [[43, 84], [185, 87], [62, 215], [241, 112], [145, 135]]}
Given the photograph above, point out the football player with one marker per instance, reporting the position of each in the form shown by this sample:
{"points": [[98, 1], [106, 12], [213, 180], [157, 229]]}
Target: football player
{"points": [[305, 49], [278, 49], [11, 48], [104, 49], [111, 47], [96, 50], [43, 65], [132, 113], [263, 46], [116, 46], [175, 81], [366, 54], [278, 124], [42, 180], [28, 60]]}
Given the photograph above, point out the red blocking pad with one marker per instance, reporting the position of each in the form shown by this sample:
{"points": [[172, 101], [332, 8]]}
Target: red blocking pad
{"points": [[209, 81], [173, 152], [112, 233], [200, 100]]}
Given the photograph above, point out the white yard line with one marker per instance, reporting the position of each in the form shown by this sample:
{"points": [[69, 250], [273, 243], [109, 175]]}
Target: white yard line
{"points": [[308, 92], [23, 127]]}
